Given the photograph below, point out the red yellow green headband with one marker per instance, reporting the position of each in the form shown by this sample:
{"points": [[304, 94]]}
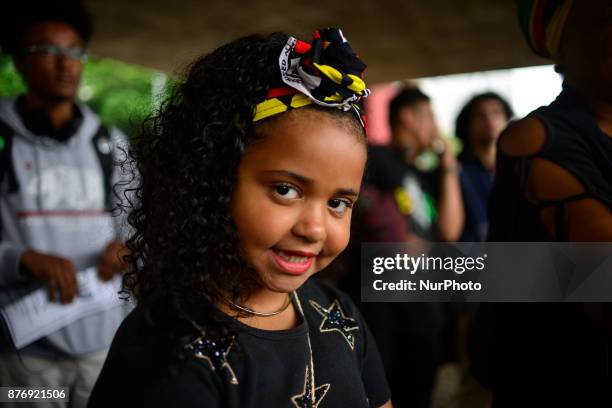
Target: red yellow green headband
{"points": [[326, 72]]}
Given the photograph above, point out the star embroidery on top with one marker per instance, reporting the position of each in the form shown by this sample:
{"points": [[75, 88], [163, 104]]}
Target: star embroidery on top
{"points": [[215, 352], [334, 319], [311, 396]]}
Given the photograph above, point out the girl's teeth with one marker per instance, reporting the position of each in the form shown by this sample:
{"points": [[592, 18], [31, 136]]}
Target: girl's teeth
{"points": [[293, 259]]}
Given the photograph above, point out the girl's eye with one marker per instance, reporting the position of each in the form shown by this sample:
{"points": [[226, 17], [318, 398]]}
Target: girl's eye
{"points": [[340, 206], [286, 191]]}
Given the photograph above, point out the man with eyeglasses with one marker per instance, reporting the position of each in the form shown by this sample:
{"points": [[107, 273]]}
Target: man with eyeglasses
{"points": [[57, 167]]}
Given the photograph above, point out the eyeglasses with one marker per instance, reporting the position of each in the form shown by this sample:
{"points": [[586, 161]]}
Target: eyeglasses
{"points": [[76, 53]]}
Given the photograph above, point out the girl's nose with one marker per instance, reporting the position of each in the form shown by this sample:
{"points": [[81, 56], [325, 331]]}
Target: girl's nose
{"points": [[311, 223]]}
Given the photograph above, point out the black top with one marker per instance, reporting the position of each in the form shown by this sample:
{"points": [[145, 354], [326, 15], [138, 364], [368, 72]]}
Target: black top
{"points": [[574, 142], [396, 199], [552, 349], [268, 369], [415, 191]]}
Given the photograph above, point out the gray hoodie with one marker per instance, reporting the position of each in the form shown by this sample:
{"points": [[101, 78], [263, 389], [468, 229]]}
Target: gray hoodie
{"points": [[59, 209]]}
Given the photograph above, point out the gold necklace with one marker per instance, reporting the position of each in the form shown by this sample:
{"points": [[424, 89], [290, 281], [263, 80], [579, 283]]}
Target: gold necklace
{"points": [[261, 314]]}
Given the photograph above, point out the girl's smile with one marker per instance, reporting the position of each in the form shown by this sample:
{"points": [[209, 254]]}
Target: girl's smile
{"points": [[293, 262]]}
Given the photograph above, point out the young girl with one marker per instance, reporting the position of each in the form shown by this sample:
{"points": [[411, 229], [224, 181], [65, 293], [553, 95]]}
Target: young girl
{"points": [[247, 179]]}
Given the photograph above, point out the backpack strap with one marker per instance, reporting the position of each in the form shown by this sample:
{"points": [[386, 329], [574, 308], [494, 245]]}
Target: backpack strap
{"points": [[6, 159], [103, 146]]}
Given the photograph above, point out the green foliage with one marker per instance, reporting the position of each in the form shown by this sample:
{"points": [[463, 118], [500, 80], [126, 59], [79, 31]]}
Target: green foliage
{"points": [[10, 82], [120, 93]]}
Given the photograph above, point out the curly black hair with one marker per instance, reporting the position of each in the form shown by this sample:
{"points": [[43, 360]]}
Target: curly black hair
{"points": [[185, 252], [27, 13], [462, 124]]}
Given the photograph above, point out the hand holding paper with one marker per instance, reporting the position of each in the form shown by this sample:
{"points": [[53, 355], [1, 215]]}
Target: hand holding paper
{"points": [[34, 316], [57, 272]]}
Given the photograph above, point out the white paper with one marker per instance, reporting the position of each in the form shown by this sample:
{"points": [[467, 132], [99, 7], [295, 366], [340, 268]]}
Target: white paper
{"points": [[34, 316]]}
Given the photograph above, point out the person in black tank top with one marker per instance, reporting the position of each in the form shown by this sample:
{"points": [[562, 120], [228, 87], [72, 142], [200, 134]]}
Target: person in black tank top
{"points": [[553, 183]]}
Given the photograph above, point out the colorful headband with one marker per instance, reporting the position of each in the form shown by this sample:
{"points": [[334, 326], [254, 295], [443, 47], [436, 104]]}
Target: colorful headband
{"points": [[542, 23], [326, 72]]}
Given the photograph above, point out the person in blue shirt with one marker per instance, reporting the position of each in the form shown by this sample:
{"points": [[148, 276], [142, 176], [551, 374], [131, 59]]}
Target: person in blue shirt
{"points": [[478, 126]]}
